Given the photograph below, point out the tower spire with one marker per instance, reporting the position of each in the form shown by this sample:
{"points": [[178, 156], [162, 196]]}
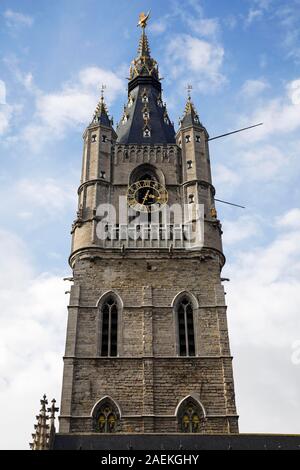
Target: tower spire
{"points": [[143, 65], [101, 113], [144, 49], [145, 118], [190, 116]]}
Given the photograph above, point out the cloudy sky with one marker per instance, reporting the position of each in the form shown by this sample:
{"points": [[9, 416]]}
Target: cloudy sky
{"points": [[242, 58]]}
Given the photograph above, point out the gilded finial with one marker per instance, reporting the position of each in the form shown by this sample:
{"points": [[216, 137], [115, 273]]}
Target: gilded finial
{"points": [[143, 19]]}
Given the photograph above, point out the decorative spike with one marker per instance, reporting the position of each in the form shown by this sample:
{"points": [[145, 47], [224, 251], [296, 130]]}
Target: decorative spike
{"points": [[41, 435], [143, 64], [190, 113], [101, 113], [144, 49]]}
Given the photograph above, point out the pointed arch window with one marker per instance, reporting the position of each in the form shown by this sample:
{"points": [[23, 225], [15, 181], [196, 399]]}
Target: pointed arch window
{"points": [[190, 416], [109, 327], [185, 327], [106, 416]]}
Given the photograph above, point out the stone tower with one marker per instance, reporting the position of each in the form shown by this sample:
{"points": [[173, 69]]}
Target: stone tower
{"points": [[147, 348]]}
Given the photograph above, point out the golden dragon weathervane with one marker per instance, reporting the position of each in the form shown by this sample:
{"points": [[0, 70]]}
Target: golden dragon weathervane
{"points": [[143, 19]]}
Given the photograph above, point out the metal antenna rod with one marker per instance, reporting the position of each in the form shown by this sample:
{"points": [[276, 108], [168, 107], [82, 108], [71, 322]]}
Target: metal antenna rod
{"points": [[230, 203], [234, 132]]}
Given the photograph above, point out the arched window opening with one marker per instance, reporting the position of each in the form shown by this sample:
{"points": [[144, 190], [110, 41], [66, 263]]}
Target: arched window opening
{"points": [[106, 417], [141, 173], [185, 321], [109, 331], [190, 417]]}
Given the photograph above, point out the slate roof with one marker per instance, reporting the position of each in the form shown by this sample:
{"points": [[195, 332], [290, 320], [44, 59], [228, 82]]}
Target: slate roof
{"points": [[134, 121], [101, 114], [190, 117], [145, 118]]}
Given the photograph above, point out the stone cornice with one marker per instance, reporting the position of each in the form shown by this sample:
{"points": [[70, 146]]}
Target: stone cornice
{"points": [[94, 252]]}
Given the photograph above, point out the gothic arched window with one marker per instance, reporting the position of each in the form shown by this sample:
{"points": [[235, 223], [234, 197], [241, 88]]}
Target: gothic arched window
{"points": [[190, 416], [109, 327], [185, 326], [106, 416]]}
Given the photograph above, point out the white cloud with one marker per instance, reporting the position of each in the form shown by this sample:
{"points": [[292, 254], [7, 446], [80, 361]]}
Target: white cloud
{"points": [[6, 112], [33, 317], [5, 109], [16, 19], [266, 296], [24, 78], [253, 15], [290, 220], [288, 14], [253, 164], [159, 26], [264, 4], [50, 195], [293, 89], [280, 115], [225, 177], [260, 7], [204, 27], [263, 162], [252, 88], [244, 228], [35, 202], [230, 21], [263, 310], [190, 56], [71, 106], [2, 92]]}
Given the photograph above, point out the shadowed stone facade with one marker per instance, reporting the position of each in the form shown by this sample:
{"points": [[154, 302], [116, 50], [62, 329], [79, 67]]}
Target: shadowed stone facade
{"points": [[146, 385]]}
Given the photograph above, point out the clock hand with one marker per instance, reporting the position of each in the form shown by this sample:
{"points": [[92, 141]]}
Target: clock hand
{"points": [[146, 197]]}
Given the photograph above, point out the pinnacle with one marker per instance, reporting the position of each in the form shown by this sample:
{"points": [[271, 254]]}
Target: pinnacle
{"points": [[144, 65], [144, 49], [190, 113], [101, 113], [43, 430], [189, 107]]}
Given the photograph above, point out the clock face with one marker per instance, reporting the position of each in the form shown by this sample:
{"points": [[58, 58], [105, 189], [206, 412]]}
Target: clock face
{"points": [[147, 196]]}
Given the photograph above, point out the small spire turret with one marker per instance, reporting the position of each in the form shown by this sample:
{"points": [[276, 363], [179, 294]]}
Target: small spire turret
{"points": [[101, 113], [190, 116]]}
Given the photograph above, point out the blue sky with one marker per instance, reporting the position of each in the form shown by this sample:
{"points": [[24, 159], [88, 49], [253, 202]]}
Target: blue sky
{"points": [[242, 58]]}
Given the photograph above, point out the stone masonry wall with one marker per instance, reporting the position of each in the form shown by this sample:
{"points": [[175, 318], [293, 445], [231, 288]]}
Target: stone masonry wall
{"points": [[148, 379]]}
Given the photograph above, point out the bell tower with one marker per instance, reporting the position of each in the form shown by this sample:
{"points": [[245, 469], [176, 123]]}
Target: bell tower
{"points": [[147, 348]]}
